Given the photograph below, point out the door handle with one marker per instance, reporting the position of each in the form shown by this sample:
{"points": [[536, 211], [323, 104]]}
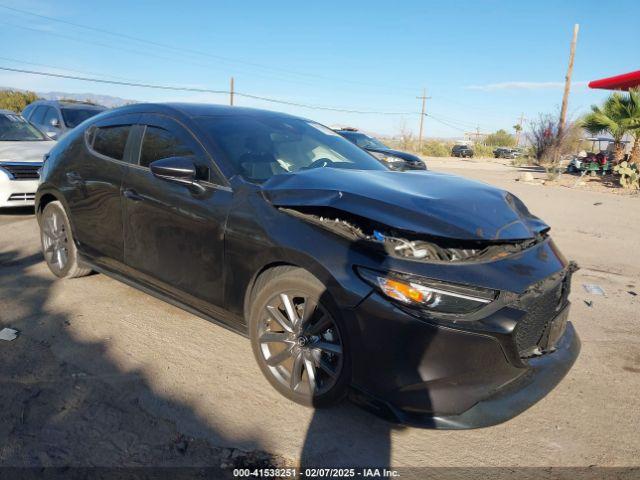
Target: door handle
{"points": [[74, 178], [133, 195]]}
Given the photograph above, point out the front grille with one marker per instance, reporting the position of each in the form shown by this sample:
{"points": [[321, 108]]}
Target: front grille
{"points": [[22, 197], [22, 171], [542, 302]]}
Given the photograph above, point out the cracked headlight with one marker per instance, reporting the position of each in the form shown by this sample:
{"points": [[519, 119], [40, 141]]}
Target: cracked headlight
{"points": [[428, 294]]}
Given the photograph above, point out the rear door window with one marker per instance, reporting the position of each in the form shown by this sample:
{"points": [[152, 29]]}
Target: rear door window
{"points": [[111, 141]]}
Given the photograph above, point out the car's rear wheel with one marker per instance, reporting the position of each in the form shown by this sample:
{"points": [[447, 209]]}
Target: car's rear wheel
{"points": [[58, 247], [297, 337]]}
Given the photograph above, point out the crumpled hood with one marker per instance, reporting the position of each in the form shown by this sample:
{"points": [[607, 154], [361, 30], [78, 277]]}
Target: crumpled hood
{"points": [[423, 202], [24, 151]]}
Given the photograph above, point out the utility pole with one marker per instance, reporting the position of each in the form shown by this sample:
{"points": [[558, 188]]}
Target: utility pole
{"points": [[424, 100], [567, 81], [231, 93]]}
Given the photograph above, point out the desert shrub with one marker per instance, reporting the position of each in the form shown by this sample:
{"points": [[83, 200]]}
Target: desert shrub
{"points": [[549, 144], [500, 139], [16, 101], [433, 148], [629, 175], [481, 150]]}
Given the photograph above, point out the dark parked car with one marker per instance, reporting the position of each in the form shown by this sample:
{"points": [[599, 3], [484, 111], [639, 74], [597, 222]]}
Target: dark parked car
{"points": [[506, 152], [394, 159], [430, 299], [463, 151], [57, 117]]}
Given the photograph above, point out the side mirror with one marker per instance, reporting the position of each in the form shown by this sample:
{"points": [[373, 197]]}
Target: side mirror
{"points": [[176, 169], [54, 122]]}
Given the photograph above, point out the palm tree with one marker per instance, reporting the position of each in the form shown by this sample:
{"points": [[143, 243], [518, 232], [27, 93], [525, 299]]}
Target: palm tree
{"points": [[518, 128], [633, 123], [613, 117]]}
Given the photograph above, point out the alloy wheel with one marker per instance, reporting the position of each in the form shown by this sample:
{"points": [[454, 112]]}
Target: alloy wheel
{"points": [[300, 344], [55, 240]]}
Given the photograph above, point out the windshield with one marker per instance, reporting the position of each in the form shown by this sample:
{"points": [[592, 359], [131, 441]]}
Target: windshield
{"points": [[14, 128], [75, 116], [260, 147], [364, 141]]}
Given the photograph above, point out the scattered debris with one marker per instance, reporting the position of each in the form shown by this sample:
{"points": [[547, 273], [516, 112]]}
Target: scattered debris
{"points": [[8, 334], [593, 289], [589, 303], [597, 203], [631, 292]]}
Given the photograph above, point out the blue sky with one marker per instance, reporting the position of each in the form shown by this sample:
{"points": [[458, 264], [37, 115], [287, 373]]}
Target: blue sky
{"points": [[482, 62]]}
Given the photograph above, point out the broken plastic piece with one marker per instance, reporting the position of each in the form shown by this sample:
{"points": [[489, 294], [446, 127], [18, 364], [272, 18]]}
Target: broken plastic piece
{"points": [[593, 289], [426, 249], [8, 334]]}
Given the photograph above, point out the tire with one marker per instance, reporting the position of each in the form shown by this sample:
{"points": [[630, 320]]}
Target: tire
{"points": [[307, 360], [58, 247]]}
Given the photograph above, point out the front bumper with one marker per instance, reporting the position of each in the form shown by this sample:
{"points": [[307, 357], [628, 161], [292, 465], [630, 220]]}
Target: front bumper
{"points": [[423, 374], [17, 193]]}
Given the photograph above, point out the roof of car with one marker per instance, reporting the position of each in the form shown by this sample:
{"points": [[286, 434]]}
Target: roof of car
{"points": [[193, 110], [8, 112], [69, 104]]}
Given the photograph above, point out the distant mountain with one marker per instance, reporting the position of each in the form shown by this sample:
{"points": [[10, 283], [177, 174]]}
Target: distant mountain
{"points": [[106, 100]]}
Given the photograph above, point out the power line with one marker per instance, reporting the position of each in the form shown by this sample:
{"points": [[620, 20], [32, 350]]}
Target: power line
{"points": [[204, 90], [84, 72], [182, 59], [183, 50], [445, 123]]}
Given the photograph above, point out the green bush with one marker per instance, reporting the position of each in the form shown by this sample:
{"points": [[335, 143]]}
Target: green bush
{"points": [[500, 139], [629, 175], [433, 148], [483, 151], [16, 101]]}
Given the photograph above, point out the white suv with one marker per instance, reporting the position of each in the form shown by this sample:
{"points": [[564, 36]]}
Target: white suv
{"points": [[22, 147]]}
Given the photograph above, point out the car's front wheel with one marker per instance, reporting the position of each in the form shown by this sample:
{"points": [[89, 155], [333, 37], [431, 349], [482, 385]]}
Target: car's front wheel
{"points": [[58, 247], [297, 337]]}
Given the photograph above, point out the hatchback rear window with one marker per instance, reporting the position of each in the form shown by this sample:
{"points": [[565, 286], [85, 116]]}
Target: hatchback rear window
{"points": [[110, 141], [75, 116]]}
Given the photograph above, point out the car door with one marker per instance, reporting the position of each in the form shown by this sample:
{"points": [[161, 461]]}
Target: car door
{"points": [[92, 186], [174, 234]]}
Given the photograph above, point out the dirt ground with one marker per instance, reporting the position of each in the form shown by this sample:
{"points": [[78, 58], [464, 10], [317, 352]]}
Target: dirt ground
{"points": [[104, 375]]}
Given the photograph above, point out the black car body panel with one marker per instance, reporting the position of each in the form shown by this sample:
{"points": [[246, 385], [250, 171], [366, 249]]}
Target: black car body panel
{"points": [[431, 203], [203, 249]]}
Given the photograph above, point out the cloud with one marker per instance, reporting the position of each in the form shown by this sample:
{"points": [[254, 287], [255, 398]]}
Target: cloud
{"points": [[522, 86]]}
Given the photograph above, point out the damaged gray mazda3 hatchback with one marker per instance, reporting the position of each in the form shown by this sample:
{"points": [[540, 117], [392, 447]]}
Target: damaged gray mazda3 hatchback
{"points": [[426, 298]]}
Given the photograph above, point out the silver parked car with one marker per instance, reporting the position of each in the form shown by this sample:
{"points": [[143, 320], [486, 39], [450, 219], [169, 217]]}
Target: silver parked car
{"points": [[22, 147], [56, 117]]}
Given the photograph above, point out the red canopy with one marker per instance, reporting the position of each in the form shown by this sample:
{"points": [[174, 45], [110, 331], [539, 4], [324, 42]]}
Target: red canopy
{"points": [[619, 82]]}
